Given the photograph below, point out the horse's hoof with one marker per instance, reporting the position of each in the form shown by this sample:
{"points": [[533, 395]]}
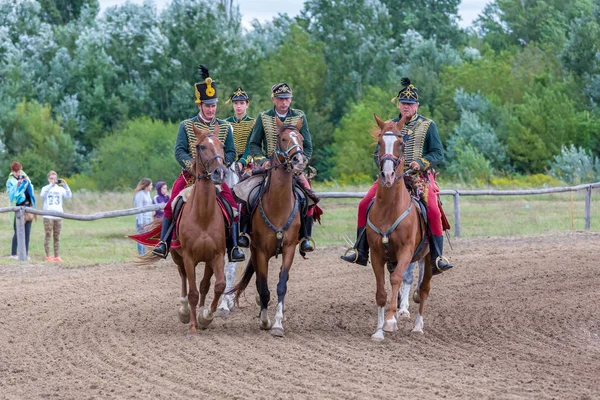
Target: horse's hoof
{"points": [[403, 314], [377, 336], [277, 332], [390, 325], [417, 330], [191, 336], [222, 313], [265, 326], [416, 297], [184, 318], [205, 317]]}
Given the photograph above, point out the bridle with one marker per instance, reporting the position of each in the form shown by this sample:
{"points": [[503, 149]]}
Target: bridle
{"points": [[206, 163], [287, 157], [396, 160]]}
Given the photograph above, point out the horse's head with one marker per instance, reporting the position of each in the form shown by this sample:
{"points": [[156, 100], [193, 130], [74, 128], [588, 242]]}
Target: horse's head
{"points": [[209, 153], [390, 157], [290, 150]]}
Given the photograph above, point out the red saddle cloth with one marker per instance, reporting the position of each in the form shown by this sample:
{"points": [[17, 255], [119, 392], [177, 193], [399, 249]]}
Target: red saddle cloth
{"points": [[152, 237]]}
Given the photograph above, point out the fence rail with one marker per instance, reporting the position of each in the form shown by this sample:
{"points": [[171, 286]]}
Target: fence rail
{"points": [[20, 211]]}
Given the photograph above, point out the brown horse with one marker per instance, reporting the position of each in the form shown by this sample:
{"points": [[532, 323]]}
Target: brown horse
{"points": [[276, 223], [202, 233], [395, 229]]}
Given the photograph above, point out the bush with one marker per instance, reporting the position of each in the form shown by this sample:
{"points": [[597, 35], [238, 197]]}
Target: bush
{"points": [[575, 165], [144, 148], [469, 166]]}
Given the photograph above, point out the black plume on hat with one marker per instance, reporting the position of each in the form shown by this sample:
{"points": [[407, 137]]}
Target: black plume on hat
{"points": [[203, 71], [405, 82], [408, 94]]}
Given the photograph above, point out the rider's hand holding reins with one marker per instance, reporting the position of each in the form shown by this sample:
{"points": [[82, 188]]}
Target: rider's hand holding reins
{"points": [[415, 166]]}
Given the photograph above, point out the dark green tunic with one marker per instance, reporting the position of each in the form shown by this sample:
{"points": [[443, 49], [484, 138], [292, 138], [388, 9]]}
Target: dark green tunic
{"points": [[263, 139], [185, 146], [422, 144]]}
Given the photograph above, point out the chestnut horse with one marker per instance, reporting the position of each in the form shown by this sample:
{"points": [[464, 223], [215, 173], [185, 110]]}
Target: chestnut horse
{"points": [[395, 230], [276, 223], [202, 233]]}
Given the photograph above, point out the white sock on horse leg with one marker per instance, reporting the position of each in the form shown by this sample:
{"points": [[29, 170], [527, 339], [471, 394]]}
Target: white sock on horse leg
{"points": [[230, 269]]}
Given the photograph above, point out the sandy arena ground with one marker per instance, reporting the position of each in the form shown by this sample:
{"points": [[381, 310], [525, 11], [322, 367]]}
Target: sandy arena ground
{"points": [[517, 318]]}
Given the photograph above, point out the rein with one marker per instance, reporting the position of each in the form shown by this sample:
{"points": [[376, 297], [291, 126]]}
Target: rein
{"points": [[206, 164], [396, 160]]}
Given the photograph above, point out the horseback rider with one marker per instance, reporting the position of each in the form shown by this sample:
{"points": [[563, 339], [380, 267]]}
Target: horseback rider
{"points": [[263, 140], [185, 151], [242, 126], [423, 150]]}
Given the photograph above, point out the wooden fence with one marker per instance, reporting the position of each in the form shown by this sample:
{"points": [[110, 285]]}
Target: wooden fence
{"points": [[20, 211]]}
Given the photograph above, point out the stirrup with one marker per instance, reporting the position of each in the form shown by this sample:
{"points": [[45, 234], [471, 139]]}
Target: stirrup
{"points": [[310, 241], [355, 254], [159, 254], [444, 259], [231, 259]]}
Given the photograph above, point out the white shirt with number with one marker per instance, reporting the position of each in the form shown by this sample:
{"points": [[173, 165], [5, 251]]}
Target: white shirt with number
{"points": [[53, 195]]}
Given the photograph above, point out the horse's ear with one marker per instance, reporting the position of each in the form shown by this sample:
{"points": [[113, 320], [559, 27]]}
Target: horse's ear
{"points": [[380, 122], [278, 123], [299, 124], [400, 125], [216, 130], [196, 130]]}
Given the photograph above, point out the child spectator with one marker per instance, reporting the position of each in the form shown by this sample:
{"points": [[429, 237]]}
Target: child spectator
{"points": [[53, 195], [162, 196]]}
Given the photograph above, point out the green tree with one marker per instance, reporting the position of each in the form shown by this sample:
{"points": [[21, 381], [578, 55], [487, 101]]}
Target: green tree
{"points": [[143, 148], [353, 144]]}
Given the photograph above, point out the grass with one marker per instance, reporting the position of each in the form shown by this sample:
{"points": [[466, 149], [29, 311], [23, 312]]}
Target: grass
{"points": [[104, 241]]}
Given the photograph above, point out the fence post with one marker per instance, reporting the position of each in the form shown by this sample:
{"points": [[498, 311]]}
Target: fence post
{"points": [[21, 246], [456, 214], [588, 207]]}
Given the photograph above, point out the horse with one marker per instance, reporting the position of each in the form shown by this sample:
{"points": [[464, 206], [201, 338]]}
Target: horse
{"points": [[275, 227], [395, 230], [202, 233]]}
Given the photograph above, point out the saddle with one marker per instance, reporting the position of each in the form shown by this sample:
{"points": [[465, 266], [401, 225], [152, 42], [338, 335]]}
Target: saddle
{"points": [[228, 212]]}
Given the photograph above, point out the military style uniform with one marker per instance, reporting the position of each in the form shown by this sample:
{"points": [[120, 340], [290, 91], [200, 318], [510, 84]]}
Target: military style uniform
{"points": [[185, 153], [263, 141], [422, 145]]}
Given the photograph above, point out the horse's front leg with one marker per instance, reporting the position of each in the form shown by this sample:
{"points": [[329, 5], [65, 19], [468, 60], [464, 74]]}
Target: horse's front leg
{"points": [[424, 287], [284, 273], [190, 271], [184, 308], [404, 292], [205, 317], [227, 303], [391, 324], [378, 263], [262, 286], [217, 266]]}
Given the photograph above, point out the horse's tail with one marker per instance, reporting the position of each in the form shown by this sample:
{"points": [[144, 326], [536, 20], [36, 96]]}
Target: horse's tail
{"points": [[243, 283], [148, 258]]}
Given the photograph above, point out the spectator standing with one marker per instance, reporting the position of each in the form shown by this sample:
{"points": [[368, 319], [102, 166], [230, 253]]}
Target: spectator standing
{"points": [[162, 197], [20, 193], [53, 195], [142, 198]]}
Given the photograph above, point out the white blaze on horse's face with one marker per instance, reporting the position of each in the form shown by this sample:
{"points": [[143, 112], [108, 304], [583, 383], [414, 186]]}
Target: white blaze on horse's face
{"points": [[298, 160], [388, 171]]}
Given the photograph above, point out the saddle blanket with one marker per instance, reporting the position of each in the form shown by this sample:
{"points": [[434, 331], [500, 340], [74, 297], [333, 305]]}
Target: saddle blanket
{"points": [[152, 237]]}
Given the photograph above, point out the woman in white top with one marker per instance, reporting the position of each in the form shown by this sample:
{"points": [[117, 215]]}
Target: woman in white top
{"points": [[53, 195], [142, 198]]}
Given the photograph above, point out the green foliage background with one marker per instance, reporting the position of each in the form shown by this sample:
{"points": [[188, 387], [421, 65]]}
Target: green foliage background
{"points": [[99, 97]]}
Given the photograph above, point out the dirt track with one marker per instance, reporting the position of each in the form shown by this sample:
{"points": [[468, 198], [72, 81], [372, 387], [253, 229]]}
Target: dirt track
{"points": [[518, 318]]}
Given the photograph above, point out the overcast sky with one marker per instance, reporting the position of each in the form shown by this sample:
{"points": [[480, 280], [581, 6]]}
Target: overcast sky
{"points": [[265, 10]]}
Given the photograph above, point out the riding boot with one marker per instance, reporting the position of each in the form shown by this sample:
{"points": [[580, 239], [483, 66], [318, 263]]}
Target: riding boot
{"points": [[162, 248], [233, 251], [306, 244], [243, 238], [359, 254], [438, 261]]}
